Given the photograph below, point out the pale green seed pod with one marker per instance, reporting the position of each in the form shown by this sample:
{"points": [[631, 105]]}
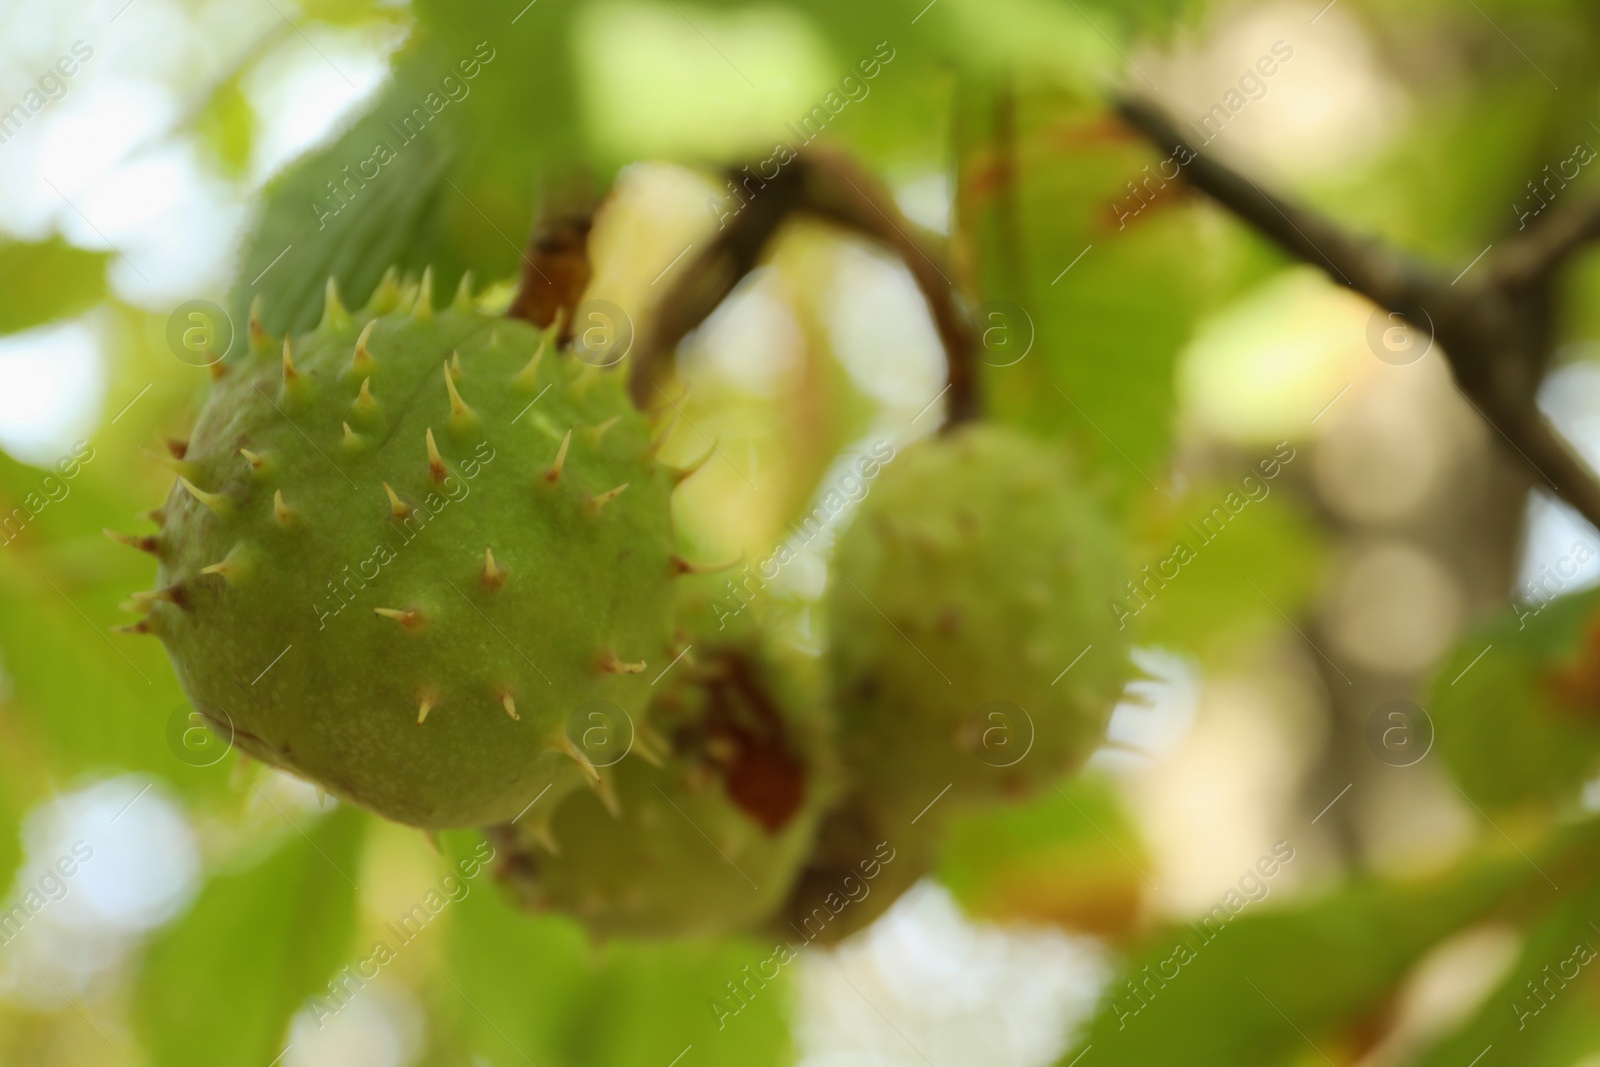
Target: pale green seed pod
{"points": [[407, 548], [974, 656]]}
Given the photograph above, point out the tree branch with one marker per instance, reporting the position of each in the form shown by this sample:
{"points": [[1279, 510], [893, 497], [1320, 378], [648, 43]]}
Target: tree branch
{"points": [[827, 186], [1383, 274], [556, 268], [1494, 330], [1534, 254]]}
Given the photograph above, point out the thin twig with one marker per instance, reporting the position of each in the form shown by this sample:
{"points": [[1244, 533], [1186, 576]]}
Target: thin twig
{"points": [[827, 186], [1494, 327]]}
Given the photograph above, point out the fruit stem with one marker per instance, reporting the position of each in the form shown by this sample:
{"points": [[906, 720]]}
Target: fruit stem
{"points": [[828, 185]]}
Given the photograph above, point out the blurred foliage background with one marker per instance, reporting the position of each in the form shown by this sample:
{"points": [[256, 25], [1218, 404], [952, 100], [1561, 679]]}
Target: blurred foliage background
{"points": [[1441, 889]]}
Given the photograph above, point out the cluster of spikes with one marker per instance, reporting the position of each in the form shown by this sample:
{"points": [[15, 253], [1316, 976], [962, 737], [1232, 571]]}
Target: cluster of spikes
{"points": [[392, 295]]}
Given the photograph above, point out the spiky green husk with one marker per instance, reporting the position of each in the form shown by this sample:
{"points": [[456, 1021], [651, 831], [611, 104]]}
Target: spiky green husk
{"points": [[709, 843], [365, 640], [976, 572]]}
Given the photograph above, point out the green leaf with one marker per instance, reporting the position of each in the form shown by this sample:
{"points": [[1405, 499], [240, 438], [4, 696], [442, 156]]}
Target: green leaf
{"points": [[462, 193], [352, 12], [1072, 857], [512, 982], [1056, 269], [441, 172], [523, 988], [1224, 560], [13, 798], [1263, 986], [1516, 705], [220, 986], [718, 79], [47, 280], [652, 1002], [1541, 1014], [85, 698], [227, 126], [78, 699], [353, 229]]}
